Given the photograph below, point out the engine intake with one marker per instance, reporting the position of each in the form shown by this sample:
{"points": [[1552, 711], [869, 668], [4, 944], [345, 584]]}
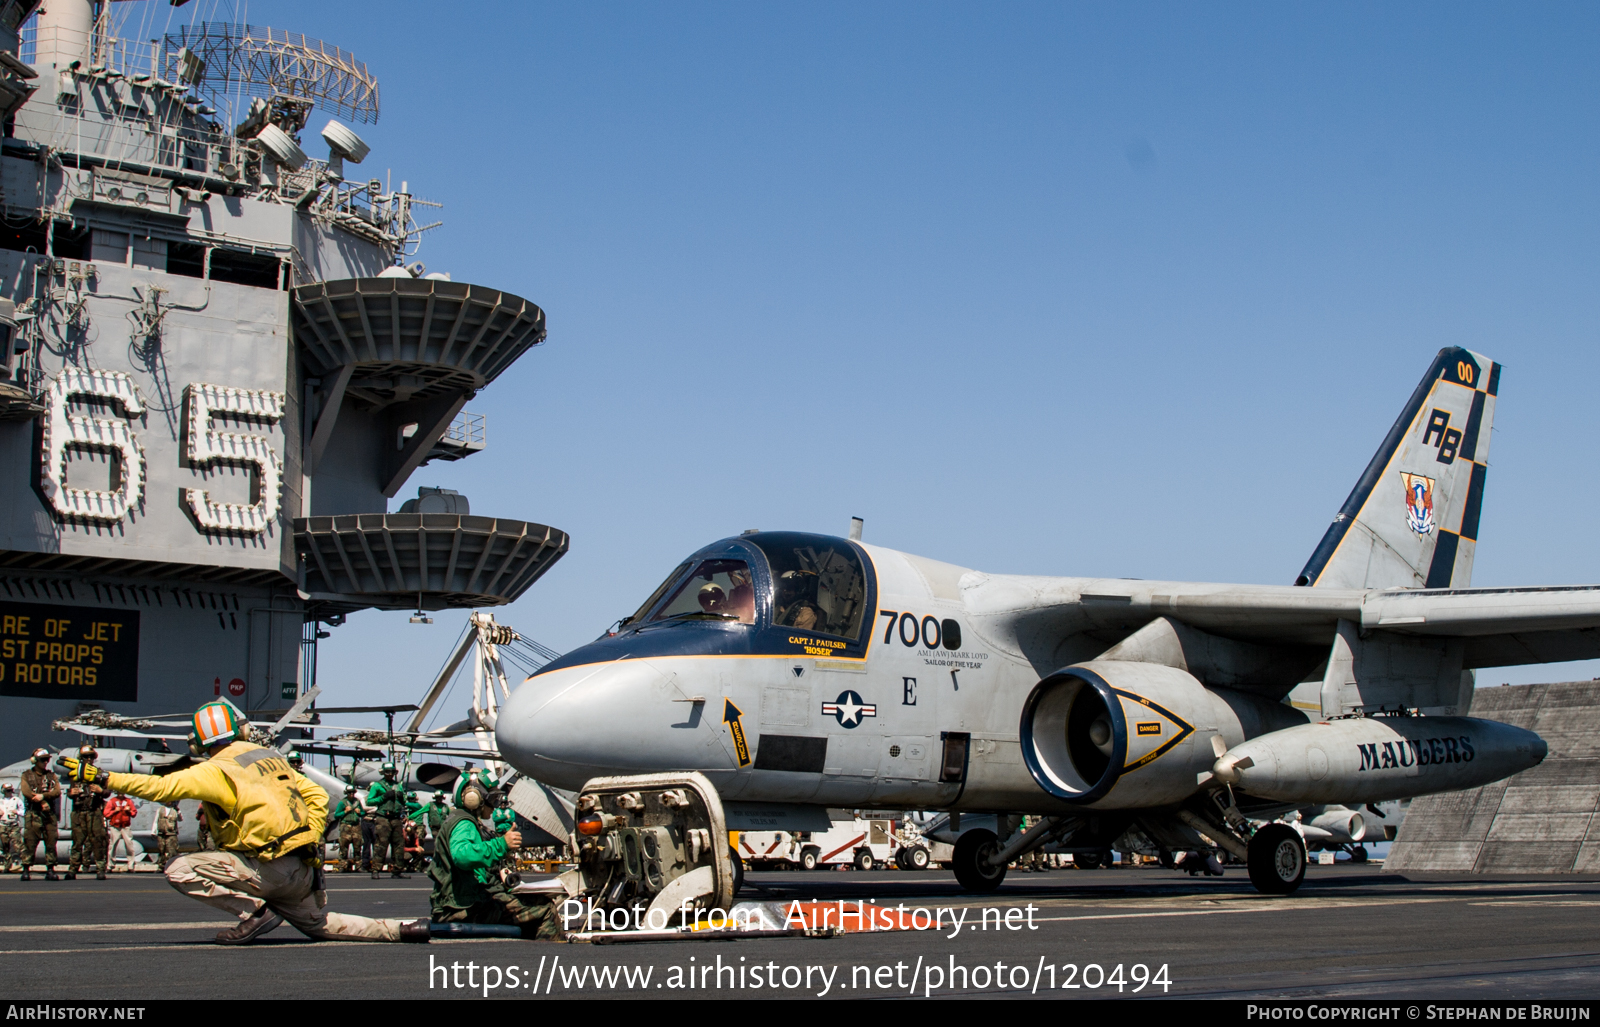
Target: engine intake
{"points": [[1074, 734], [1133, 729]]}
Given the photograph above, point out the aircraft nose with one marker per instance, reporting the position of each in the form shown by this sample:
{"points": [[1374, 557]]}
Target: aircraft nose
{"points": [[570, 725]]}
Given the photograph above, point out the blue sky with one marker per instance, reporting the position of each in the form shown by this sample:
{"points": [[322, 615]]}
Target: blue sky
{"points": [[1109, 289]]}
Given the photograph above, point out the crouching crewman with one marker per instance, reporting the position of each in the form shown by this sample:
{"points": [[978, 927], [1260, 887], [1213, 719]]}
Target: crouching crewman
{"points": [[466, 890], [267, 821]]}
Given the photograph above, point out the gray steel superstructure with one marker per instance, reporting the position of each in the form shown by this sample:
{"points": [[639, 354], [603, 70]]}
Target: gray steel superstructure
{"points": [[218, 370]]}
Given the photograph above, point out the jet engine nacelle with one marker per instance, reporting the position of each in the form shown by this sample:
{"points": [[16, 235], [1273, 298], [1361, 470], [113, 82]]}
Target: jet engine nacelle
{"points": [[1371, 759], [1336, 824], [1121, 735]]}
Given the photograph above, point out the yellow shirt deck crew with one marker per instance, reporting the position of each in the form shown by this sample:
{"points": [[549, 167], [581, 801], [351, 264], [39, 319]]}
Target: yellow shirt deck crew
{"points": [[255, 802]]}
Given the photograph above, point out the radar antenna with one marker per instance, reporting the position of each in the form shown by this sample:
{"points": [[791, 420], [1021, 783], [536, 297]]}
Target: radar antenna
{"points": [[218, 58]]}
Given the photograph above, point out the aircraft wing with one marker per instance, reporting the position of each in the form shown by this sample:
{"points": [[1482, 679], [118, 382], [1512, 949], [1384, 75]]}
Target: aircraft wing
{"points": [[1500, 626], [1056, 621]]}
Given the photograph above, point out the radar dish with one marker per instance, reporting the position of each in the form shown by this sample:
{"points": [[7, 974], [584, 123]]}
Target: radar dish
{"points": [[251, 60], [345, 143], [284, 149]]}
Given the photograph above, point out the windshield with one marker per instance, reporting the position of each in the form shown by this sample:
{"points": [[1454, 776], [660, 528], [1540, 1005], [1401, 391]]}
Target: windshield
{"points": [[820, 584], [717, 590], [657, 594]]}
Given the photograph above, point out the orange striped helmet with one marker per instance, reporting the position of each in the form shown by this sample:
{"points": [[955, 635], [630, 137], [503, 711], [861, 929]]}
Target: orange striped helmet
{"points": [[217, 723]]}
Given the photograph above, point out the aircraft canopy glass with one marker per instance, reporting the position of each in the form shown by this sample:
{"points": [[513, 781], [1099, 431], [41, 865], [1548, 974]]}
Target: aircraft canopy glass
{"points": [[820, 583], [660, 591], [717, 590]]}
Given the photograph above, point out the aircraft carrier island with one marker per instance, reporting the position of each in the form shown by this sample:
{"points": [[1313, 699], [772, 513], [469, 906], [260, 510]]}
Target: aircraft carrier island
{"points": [[220, 366]]}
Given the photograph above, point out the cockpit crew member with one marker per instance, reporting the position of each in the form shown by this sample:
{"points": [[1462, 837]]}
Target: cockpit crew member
{"points": [[797, 591]]}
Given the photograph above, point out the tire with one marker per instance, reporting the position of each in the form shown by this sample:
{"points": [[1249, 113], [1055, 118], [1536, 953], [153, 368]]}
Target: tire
{"points": [[864, 860], [808, 859], [1277, 860], [1358, 853], [1087, 860], [738, 869], [917, 858], [900, 859], [967, 861]]}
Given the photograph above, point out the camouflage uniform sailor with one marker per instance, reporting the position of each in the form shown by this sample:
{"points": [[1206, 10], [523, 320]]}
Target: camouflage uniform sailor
{"points": [[466, 890], [167, 820], [348, 816], [40, 790], [388, 800], [268, 822], [88, 817], [10, 825]]}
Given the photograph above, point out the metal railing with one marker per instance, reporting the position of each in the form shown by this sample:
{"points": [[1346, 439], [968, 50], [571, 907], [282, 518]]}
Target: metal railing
{"points": [[466, 431]]}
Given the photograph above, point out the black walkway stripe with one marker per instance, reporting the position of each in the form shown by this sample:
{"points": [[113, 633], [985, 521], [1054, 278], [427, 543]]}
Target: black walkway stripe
{"points": [[1444, 560], [1474, 504], [1469, 440]]}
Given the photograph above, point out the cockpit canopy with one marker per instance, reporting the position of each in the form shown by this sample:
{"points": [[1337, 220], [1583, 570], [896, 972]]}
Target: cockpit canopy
{"points": [[813, 583], [769, 593]]}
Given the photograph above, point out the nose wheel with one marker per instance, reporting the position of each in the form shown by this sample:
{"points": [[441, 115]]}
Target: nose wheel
{"points": [[1277, 860]]}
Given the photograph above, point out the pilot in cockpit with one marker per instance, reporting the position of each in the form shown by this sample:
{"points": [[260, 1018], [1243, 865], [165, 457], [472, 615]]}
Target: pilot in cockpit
{"points": [[797, 608], [713, 599]]}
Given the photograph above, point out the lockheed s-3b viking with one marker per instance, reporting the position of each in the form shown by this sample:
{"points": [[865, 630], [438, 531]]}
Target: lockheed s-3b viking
{"points": [[799, 671]]}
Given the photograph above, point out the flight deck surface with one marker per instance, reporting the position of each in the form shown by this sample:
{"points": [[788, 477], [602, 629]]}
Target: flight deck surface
{"points": [[1350, 932]]}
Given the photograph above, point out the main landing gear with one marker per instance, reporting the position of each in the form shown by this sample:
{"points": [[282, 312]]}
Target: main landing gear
{"points": [[1277, 859], [971, 861]]}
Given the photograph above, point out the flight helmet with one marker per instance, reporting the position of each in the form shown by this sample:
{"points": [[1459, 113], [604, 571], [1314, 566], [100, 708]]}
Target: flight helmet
{"points": [[216, 723]]}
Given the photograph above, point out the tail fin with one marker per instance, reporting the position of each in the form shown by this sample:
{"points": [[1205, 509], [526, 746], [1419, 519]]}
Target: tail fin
{"points": [[1412, 519]]}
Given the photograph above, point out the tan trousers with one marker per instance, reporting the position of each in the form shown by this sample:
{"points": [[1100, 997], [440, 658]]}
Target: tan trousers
{"points": [[123, 835], [241, 885]]}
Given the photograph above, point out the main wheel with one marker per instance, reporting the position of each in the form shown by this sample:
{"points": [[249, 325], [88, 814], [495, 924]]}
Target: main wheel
{"points": [[1087, 860], [1277, 860], [864, 860], [738, 869], [808, 859], [917, 858], [969, 861], [1358, 853]]}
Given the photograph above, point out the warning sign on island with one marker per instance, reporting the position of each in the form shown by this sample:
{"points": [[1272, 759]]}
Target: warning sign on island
{"points": [[69, 652]]}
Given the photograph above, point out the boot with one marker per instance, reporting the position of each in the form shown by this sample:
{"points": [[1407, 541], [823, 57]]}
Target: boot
{"points": [[72, 875], [248, 930], [374, 875], [51, 875], [26, 876], [398, 874], [100, 876]]}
